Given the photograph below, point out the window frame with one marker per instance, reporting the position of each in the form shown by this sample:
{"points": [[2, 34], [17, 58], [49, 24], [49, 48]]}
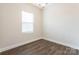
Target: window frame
{"points": [[28, 22]]}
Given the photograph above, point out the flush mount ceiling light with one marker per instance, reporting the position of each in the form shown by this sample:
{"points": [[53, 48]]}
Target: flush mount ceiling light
{"points": [[40, 5]]}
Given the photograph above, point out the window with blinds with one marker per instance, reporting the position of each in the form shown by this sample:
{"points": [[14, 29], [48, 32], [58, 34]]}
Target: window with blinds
{"points": [[27, 22]]}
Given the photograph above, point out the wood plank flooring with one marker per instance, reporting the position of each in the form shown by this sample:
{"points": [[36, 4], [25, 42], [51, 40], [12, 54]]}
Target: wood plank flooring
{"points": [[41, 47]]}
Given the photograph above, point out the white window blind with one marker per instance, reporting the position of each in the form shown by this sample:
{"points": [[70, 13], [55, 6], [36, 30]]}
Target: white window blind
{"points": [[27, 21]]}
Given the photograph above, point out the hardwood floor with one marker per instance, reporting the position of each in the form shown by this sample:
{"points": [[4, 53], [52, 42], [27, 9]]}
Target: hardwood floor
{"points": [[41, 47]]}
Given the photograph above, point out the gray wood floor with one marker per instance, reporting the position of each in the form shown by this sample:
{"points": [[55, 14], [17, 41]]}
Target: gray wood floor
{"points": [[41, 47]]}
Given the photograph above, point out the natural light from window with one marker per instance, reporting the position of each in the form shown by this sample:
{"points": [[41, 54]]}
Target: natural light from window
{"points": [[27, 22]]}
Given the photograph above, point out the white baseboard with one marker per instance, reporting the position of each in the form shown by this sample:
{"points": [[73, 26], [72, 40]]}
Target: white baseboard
{"points": [[65, 44], [16, 45]]}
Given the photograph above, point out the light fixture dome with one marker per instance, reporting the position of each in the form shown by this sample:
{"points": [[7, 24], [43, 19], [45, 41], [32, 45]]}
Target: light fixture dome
{"points": [[40, 5]]}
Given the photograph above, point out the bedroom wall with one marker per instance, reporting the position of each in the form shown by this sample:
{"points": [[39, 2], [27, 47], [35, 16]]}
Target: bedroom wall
{"points": [[10, 22], [0, 25], [61, 24]]}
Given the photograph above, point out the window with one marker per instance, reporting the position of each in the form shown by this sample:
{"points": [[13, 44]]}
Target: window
{"points": [[27, 22]]}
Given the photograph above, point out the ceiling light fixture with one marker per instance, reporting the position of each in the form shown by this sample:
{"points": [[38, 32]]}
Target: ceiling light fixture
{"points": [[40, 5]]}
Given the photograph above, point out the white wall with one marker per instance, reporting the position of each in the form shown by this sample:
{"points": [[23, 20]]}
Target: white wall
{"points": [[0, 24], [10, 23], [61, 24]]}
